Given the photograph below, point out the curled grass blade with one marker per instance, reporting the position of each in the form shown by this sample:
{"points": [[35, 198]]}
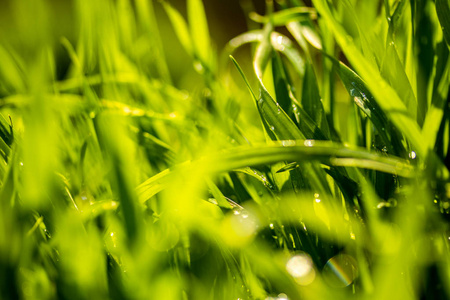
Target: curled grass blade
{"points": [[281, 18], [279, 42], [328, 153]]}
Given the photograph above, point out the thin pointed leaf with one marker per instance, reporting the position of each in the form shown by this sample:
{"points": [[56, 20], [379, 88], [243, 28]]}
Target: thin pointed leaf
{"points": [[280, 82], [394, 73], [363, 99], [220, 198], [12, 79], [180, 26], [440, 91], [199, 30], [443, 13], [312, 101]]}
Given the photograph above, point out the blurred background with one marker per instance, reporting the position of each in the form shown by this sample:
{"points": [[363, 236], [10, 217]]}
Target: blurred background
{"points": [[19, 26]]}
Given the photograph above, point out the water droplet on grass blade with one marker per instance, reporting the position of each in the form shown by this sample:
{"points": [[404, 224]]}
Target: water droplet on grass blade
{"points": [[239, 227], [279, 41], [213, 201], [278, 109], [198, 67], [301, 267], [126, 110], [288, 143], [308, 143], [163, 235], [340, 271], [282, 296], [316, 196]]}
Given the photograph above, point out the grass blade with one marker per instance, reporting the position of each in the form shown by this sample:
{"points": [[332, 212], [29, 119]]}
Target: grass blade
{"points": [[199, 30], [385, 95], [312, 101], [286, 16], [180, 26], [328, 153], [443, 13]]}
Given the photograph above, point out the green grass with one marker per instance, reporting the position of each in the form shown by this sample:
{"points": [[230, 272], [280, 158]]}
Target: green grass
{"points": [[308, 159]]}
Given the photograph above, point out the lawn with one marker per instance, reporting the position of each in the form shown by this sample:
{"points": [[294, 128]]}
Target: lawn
{"points": [[197, 149]]}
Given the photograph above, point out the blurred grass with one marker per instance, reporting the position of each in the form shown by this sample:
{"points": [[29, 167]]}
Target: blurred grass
{"points": [[142, 156]]}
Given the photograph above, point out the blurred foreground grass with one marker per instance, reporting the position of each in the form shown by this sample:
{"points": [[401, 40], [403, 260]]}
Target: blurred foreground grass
{"points": [[312, 164]]}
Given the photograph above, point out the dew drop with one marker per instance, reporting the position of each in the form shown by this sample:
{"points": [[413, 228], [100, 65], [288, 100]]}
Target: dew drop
{"points": [[184, 94], [382, 204], [287, 143], [213, 201], [282, 296], [340, 271], [301, 267], [308, 143], [198, 67], [280, 39], [127, 110], [278, 109]]}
